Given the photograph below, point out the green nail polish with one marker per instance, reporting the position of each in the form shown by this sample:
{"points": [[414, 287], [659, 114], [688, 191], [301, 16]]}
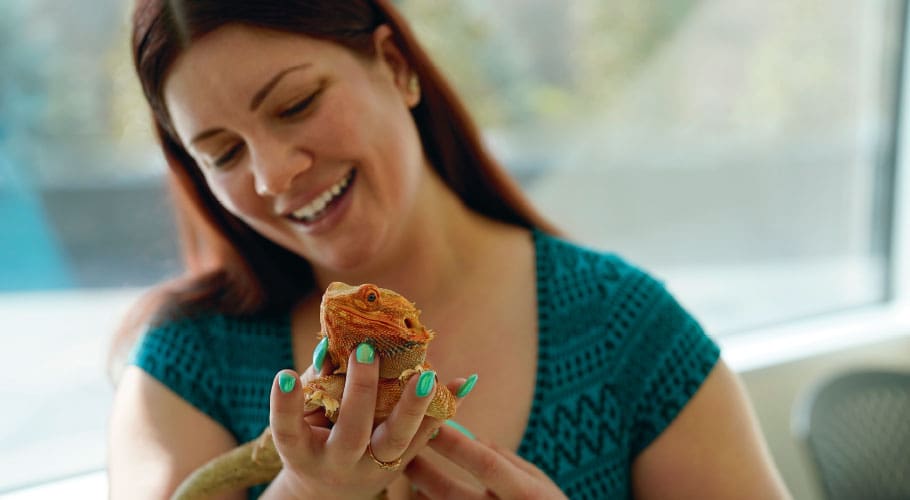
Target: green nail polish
{"points": [[460, 428], [425, 383], [466, 387], [365, 354], [434, 434], [319, 354], [286, 382]]}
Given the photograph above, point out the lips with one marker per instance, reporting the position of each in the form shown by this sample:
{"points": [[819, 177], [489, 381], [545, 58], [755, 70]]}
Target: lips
{"points": [[319, 206]]}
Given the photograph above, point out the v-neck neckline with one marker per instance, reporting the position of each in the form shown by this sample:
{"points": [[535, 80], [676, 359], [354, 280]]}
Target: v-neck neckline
{"points": [[543, 338]]}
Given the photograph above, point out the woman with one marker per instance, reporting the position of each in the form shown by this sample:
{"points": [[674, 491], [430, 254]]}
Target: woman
{"points": [[313, 141]]}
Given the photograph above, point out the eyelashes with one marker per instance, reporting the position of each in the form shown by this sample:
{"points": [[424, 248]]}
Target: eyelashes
{"points": [[300, 106], [226, 158]]}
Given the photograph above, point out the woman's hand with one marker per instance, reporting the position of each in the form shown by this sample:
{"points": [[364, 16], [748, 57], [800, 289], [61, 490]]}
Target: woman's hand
{"points": [[503, 473], [336, 462]]}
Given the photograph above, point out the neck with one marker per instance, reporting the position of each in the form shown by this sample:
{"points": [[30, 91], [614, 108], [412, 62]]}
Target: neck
{"points": [[438, 246]]}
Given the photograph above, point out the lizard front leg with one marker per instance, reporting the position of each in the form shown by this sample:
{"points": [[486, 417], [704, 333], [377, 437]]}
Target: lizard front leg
{"points": [[324, 392]]}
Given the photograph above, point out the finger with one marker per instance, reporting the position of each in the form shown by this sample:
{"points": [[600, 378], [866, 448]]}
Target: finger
{"points": [[461, 387], [432, 482], [492, 469], [317, 418], [517, 461], [309, 375], [290, 431], [429, 426], [394, 436], [319, 357], [351, 432]]}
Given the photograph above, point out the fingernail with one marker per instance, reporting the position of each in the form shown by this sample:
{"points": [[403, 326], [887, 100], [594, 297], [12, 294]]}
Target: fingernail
{"points": [[460, 428], [467, 386], [425, 383], [286, 382], [319, 354], [365, 354], [434, 434]]}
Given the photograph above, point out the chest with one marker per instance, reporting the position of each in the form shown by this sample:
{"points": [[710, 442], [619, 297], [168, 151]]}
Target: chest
{"points": [[505, 359]]}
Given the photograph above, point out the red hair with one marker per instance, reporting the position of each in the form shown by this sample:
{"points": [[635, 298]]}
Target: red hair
{"points": [[230, 267]]}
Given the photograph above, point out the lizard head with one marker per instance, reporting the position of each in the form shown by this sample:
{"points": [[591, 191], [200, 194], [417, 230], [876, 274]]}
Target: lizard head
{"points": [[352, 314]]}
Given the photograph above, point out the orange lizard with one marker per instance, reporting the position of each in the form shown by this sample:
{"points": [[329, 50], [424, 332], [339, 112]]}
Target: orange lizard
{"points": [[349, 316]]}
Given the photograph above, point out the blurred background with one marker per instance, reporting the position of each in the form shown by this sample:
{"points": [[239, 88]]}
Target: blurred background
{"points": [[746, 153]]}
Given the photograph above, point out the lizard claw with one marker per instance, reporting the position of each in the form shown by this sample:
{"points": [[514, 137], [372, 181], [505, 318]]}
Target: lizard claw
{"points": [[407, 374], [319, 398]]}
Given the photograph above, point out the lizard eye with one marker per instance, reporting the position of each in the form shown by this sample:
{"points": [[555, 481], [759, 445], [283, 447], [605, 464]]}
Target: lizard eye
{"points": [[369, 294]]}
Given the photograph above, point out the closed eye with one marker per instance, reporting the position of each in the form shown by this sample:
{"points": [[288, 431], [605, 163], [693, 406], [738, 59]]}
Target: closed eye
{"points": [[299, 106], [226, 158]]}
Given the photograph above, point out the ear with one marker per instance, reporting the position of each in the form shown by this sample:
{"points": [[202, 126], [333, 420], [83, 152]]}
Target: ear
{"points": [[389, 54]]}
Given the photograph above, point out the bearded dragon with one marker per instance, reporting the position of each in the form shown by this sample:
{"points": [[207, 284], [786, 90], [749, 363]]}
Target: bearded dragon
{"points": [[349, 315]]}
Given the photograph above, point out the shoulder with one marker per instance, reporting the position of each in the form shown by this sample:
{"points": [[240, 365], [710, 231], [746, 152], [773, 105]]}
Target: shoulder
{"points": [[181, 354], [565, 260], [574, 276], [626, 327], [198, 357], [185, 340], [198, 334]]}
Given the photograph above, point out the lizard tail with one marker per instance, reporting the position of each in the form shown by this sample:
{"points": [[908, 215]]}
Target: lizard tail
{"points": [[252, 463]]}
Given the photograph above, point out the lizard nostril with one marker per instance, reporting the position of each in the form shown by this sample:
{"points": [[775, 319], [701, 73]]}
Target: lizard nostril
{"points": [[408, 323]]}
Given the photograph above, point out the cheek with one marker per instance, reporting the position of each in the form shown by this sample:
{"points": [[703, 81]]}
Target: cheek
{"points": [[235, 194]]}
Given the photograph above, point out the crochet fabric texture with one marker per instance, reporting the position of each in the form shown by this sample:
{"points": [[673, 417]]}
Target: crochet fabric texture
{"points": [[618, 359]]}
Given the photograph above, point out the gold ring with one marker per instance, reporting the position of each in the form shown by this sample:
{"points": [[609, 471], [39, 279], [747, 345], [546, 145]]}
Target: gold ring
{"points": [[391, 465]]}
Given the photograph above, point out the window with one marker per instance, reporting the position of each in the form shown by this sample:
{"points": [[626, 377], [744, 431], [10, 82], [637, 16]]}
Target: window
{"points": [[741, 151], [84, 224]]}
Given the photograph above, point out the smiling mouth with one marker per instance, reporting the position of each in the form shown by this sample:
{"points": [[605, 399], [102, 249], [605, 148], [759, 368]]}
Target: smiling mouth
{"points": [[320, 205]]}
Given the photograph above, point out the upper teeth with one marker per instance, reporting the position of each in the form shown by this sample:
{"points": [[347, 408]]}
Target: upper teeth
{"points": [[320, 202]]}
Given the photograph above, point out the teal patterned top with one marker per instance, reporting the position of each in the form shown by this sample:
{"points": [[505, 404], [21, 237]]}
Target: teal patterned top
{"points": [[618, 359]]}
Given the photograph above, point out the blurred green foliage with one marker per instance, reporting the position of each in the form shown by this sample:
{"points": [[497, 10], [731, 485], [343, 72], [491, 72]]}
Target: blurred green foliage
{"points": [[515, 61]]}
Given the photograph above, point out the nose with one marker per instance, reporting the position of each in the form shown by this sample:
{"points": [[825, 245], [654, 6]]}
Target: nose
{"points": [[275, 168]]}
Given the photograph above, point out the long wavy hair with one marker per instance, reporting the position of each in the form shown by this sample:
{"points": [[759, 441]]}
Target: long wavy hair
{"points": [[230, 267]]}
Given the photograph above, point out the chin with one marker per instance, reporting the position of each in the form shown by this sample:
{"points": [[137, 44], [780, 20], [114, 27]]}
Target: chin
{"points": [[348, 258]]}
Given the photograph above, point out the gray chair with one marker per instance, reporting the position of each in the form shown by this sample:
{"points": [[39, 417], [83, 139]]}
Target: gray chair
{"points": [[856, 428]]}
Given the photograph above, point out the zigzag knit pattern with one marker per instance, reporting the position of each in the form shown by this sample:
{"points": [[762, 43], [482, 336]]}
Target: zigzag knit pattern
{"points": [[618, 359]]}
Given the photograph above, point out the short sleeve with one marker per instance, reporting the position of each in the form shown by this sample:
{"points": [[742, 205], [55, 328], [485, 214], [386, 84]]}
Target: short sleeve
{"points": [[175, 354], [673, 358]]}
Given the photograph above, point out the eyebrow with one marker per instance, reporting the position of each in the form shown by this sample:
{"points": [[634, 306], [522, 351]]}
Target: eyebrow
{"points": [[264, 91], [257, 99]]}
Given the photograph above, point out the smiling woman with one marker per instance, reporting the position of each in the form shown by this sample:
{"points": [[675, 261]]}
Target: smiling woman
{"points": [[264, 162], [720, 145], [313, 144]]}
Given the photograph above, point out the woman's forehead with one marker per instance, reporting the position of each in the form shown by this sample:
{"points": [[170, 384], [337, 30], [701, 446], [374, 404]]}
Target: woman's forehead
{"points": [[240, 59], [251, 48]]}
